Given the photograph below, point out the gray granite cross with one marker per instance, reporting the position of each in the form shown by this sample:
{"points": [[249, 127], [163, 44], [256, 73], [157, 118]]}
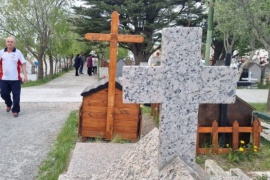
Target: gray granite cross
{"points": [[179, 84]]}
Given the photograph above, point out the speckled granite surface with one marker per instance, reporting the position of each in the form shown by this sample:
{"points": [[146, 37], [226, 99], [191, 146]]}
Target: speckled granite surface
{"points": [[139, 163], [180, 84]]}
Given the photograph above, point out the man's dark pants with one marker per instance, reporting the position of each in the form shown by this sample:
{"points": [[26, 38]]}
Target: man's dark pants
{"points": [[13, 87]]}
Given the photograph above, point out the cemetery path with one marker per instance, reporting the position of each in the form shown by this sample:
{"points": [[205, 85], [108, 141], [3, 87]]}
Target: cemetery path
{"points": [[26, 140]]}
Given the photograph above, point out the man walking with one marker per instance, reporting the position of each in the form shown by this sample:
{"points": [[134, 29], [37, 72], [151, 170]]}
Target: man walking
{"points": [[11, 63], [82, 57]]}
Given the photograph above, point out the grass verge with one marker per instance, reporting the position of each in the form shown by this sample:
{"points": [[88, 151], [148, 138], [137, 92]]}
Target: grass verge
{"points": [[259, 106], [254, 161], [43, 81], [58, 157]]}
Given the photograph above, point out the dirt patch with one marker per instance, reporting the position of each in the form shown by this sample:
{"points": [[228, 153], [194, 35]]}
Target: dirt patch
{"points": [[147, 124]]}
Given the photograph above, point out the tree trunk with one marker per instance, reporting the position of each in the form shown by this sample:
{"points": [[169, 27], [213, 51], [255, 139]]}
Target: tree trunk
{"points": [[55, 67], [46, 66], [40, 67], [51, 65]]}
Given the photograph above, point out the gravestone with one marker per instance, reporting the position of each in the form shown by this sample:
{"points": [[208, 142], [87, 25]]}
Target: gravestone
{"points": [[119, 67], [179, 84]]}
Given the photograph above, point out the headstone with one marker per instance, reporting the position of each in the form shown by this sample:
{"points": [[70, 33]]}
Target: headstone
{"points": [[119, 67], [255, 70], [179, 84]]}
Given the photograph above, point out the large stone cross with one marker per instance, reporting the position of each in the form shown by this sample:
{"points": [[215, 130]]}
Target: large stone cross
{"points": [[179, 84], [114, 38]]}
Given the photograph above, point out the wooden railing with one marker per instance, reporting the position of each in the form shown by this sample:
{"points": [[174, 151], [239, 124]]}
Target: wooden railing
{"points": [[255, 130]]}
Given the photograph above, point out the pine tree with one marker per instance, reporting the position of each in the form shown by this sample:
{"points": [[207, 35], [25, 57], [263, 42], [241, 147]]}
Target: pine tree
{"points": [[143, 17]]}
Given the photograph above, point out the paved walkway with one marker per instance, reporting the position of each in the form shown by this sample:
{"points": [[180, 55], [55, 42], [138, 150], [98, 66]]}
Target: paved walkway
{"points": [[25, 141]]}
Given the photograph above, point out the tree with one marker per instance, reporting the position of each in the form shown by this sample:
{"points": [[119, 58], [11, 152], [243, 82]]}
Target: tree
{"points": [[32, 23], [143, 17], [253, 17]]}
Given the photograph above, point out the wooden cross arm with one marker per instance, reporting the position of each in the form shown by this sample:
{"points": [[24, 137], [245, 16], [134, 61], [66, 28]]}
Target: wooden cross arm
{"points": [[130, 38], [97, 37], [119, 38]]}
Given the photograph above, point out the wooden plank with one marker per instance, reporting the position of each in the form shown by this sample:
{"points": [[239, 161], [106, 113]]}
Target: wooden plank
{"points": [[256, 132], [118, 97], [215, 136], [235, 143], [92, 102], [126, 111], [98, 97], [112, 74], [125, 117], [128, 130], [103, 91], [120, 104], [130, 38], [94, 134], [205, 129], [96, 124], [118, 92], [94, 115], [125, 124], [95, 109], [97, 37]]}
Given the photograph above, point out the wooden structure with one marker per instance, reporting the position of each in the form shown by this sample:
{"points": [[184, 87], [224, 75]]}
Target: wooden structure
{"points": [[255, 129], [114, 38], [93, 113], [208, 113]]}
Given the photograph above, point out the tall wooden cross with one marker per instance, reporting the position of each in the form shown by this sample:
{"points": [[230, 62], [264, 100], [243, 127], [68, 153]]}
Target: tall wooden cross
{"points": [[179, 84], [114, 38]]}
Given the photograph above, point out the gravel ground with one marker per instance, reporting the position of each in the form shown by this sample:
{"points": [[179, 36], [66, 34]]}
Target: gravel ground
{"points": [[25, 141]]}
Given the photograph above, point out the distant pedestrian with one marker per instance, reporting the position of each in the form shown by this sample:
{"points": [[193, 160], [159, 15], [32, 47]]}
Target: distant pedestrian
{"points": [[82, 58], [95, 63], [77, 64], [11, 63], [89, 64]]}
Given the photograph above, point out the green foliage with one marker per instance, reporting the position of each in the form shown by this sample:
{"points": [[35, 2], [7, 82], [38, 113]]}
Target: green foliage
{"points": [[247, 160], [139, 17], [259, 106], [57, 159]]}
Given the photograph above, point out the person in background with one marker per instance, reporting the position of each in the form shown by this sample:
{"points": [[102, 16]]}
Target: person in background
{"points": [[95, 63], [11, 64], [82, 58], [154, 60], [77, 64], [89, 61]]}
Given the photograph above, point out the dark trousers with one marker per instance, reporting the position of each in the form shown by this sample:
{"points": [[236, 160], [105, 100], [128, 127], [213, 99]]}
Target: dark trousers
{"points": [[94, 70], [89, 71], [13, 87], [81, 69], [76, 71]]}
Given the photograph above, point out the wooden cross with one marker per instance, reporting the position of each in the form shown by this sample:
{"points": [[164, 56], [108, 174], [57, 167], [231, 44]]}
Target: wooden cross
{"points": [[114, 38], [179, 84]]}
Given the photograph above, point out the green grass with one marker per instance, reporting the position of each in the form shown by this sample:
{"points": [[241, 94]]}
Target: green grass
{"points": [[259, 106], [43, 81], [261, 86], [58, 157], [259, 161]]}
